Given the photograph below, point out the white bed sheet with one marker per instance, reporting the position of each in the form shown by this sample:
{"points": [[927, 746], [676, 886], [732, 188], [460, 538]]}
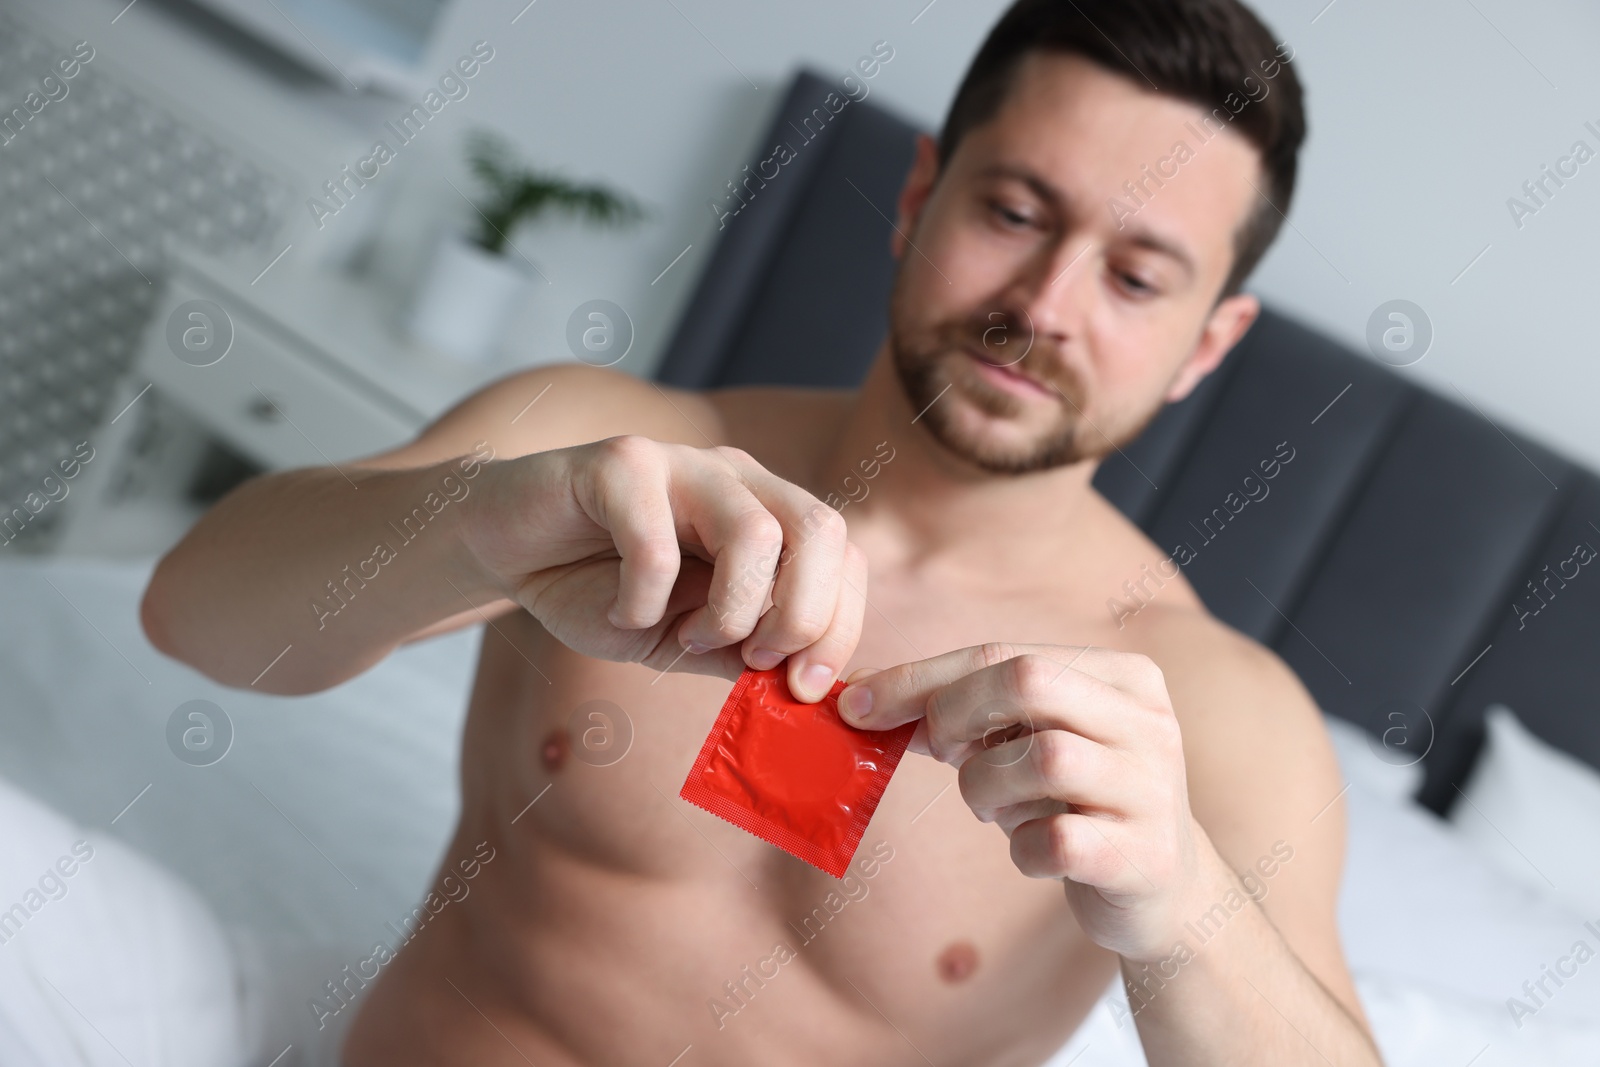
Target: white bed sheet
{"points": [[326, 817]]}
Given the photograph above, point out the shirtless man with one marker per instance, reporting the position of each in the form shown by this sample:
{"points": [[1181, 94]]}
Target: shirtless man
{"points": [[1160, 798]]}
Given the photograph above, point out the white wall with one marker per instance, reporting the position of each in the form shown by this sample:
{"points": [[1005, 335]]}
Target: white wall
{"points": [[1425, 116]]}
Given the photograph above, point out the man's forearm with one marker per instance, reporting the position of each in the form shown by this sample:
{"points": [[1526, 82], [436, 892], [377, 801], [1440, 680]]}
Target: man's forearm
{"points": [[336, 568], [1239, 997]]}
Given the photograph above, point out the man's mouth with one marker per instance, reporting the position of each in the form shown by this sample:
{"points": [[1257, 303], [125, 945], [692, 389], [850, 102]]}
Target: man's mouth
{"points": [[1008, 378]]}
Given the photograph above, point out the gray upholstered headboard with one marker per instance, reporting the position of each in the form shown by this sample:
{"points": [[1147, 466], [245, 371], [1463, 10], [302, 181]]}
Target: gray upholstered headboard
{"points": [[1407, 561]]}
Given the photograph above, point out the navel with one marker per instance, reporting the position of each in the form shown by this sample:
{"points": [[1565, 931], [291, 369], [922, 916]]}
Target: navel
{"points": [[557, 746], [958, 962]]}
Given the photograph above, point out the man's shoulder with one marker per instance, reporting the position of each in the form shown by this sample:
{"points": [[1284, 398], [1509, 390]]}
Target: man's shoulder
{"points": [[1256, 748], [591, 403], [1188, 639], [604, 402], [784, 427], [558, 405], [1227, 688], [566, 404]]}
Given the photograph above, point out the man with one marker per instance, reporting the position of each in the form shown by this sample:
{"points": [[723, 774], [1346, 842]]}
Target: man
{"points": [[1164, 798]]}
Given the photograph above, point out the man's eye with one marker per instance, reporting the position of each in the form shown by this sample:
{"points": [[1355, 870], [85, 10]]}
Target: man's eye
{"points": [[1136, 284], [1010, 217]]}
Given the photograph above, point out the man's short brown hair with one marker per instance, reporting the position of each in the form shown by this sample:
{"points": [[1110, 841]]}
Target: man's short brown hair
{"points": [[1212, 53]]}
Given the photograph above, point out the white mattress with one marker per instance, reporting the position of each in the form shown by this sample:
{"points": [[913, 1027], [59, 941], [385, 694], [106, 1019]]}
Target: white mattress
{"points": [[325, 819]]}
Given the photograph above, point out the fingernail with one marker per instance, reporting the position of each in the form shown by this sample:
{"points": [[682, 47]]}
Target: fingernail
{"points": [[696, 648], [855, 702], [817, 679], [764, 659]]}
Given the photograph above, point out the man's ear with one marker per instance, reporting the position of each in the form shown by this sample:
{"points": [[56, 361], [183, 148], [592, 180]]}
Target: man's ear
{"points": [[914, 194], [1228, 322]]}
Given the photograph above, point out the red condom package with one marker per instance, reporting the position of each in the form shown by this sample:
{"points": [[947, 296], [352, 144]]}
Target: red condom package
{"points": [[794, 774]]}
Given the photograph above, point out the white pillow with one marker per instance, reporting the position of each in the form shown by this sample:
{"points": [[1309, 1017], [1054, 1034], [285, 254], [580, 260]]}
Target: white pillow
{"points": [[1362, 760], [1534, 811]]}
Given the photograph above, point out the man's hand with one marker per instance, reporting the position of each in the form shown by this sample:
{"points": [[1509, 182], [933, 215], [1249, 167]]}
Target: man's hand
{"points": [[632, 550], [1076, 754]]}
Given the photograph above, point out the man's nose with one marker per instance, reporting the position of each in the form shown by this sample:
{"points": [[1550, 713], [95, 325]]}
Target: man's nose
{"points": [[1050, 296]]}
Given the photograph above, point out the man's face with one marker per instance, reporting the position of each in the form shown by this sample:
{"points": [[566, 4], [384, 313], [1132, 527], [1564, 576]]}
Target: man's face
{"points": [[1030, 324]]}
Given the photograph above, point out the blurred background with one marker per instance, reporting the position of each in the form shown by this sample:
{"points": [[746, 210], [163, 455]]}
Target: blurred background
{"points": [[224, 150]]}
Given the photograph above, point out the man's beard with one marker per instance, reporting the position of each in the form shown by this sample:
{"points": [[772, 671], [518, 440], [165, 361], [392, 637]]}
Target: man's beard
{"points": [[924, 357]]}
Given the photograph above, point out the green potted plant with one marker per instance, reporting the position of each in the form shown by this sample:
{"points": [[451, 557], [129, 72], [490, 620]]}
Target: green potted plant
{"points": [[473, 282]]}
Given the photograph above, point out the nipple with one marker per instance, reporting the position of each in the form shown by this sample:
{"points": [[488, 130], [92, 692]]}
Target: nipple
{"points": [[958, 962], [557, 746]]}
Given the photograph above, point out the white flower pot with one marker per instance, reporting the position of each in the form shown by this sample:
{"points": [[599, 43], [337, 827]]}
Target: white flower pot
{"points": [[463, 301]]}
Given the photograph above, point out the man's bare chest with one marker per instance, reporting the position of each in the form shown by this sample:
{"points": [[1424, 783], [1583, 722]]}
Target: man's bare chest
{"points": [[589, 756]]}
